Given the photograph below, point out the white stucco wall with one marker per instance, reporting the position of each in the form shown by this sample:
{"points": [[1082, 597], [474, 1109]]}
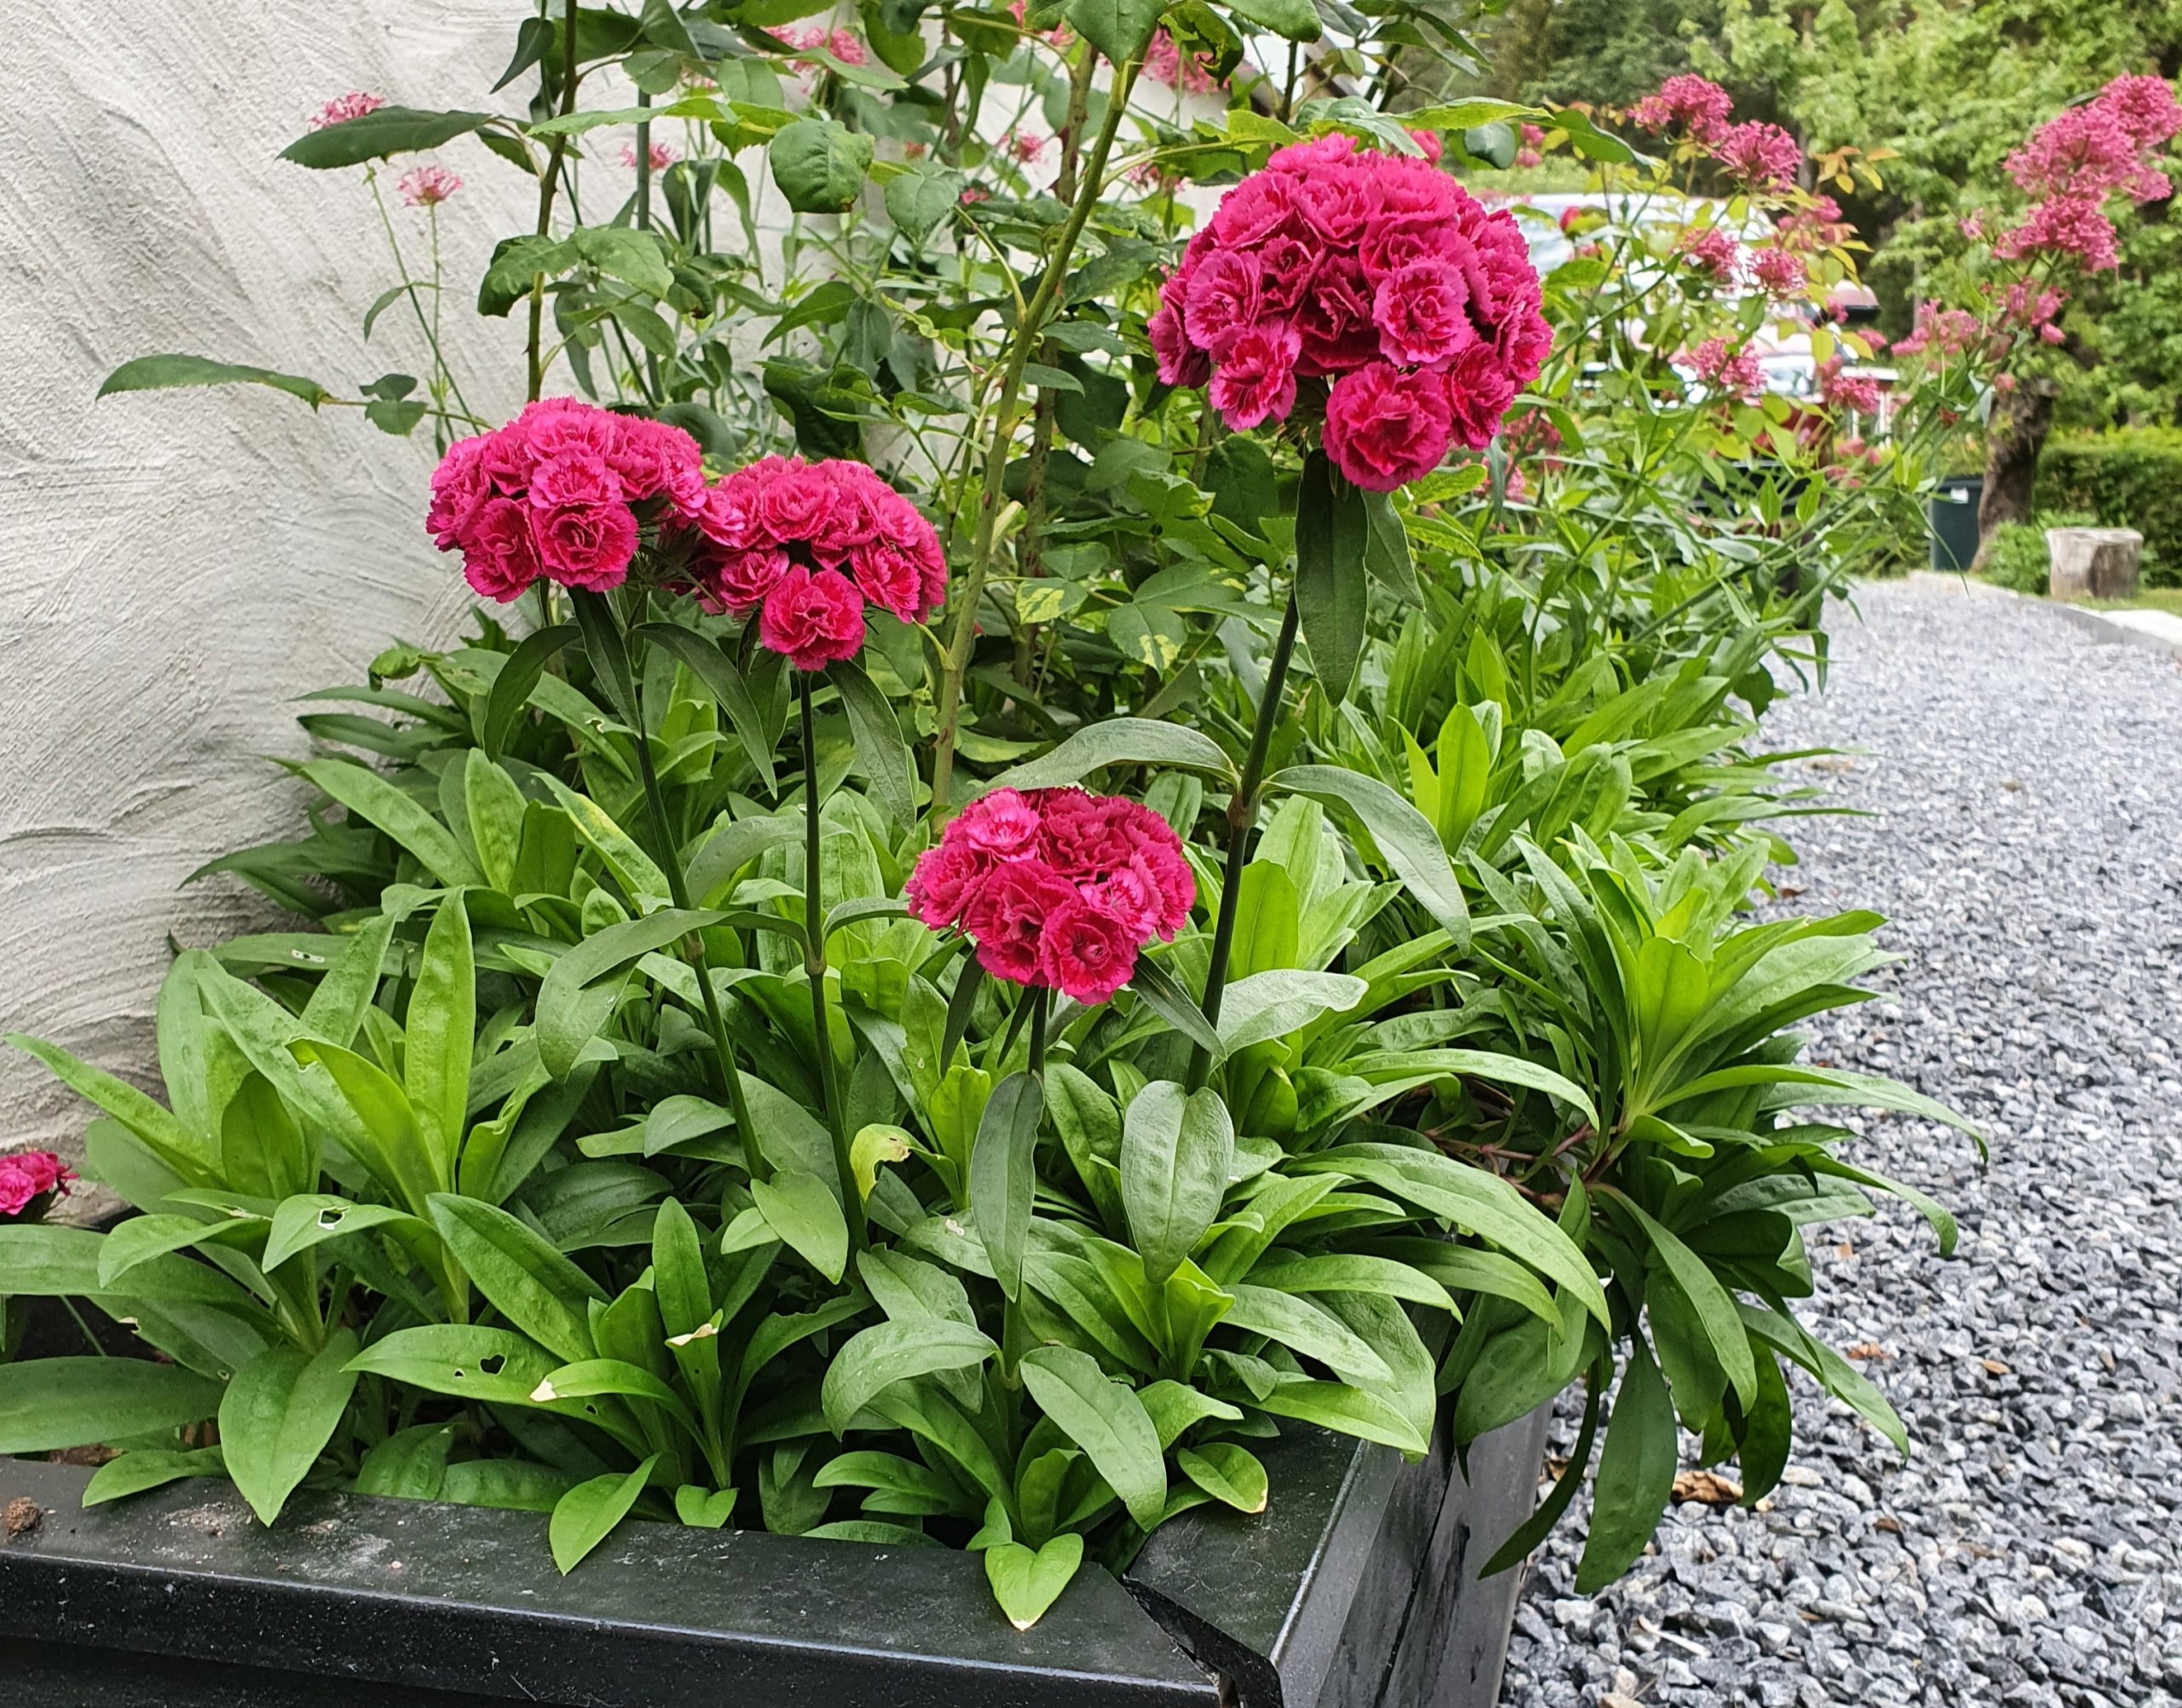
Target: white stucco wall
{"points": [[175, 567]]}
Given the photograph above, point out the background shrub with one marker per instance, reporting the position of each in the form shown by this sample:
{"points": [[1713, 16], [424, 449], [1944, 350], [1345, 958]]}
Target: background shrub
{"points": [[2129, 477]]}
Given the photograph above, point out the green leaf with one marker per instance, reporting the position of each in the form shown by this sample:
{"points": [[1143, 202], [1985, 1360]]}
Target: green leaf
{"points": [[1405, 837], [1636, 1477], [1119, 29], [1296, 20], [375, 135], [885, 1353], [142, 1237], [1229, 1472], [802, 1209], [1349, 1410], [1349, 1272], [1003, 1174], [704, 1508], [1803, 1087], [585, 1515], [148, 1468], [1714, 1305], [375, 800], [173, 1143], [1386, 547], [820, 166], [493, 1366], [44, 1262], [735, 845], [1120, 742], [527, 1280], [1332, 590], [638, 873], [1303, 1327], [410, 1464], [1534, 1529], [165, 372], [1273, 1004], [881, 753], [716, 670], [596, 1377], [1106, 1420], [921, 200], [1178, 1149], [1470, 1197], [50, 1403], [279, 1412], [574, 1001], [440, 1035], [1174, 1005], [635, 257], [1025, 1584], [511, 687]]}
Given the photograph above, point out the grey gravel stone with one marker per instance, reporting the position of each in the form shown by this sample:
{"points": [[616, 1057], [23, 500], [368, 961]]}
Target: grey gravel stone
{"points": [[2025, 839]]}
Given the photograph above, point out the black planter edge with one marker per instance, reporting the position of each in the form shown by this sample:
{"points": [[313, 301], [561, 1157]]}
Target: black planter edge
{"points": [[1386, 1609], [1354, 1590]]}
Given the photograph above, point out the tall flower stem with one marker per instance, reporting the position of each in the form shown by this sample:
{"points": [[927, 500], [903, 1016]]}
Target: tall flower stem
{"points": [[548, 182], [814, 966], [1242, 828], [602, 626], [1007, 413]]}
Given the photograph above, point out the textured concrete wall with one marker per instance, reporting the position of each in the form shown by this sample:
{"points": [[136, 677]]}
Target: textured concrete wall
{"points": [[175, 567]]}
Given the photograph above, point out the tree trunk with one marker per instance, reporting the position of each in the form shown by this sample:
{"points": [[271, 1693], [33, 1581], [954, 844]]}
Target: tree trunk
{"points": [[2014, 436]]}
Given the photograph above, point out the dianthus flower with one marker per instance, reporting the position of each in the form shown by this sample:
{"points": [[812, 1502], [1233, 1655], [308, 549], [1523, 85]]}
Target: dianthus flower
{"points": [[1056, 888], [1372, 285], [28, 1175], [808, 545]]}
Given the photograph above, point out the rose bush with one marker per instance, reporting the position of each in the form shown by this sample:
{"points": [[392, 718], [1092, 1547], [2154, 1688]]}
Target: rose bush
{"points": [[731, 1068]]}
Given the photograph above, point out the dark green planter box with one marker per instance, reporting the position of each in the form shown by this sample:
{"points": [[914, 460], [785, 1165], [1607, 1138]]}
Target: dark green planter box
{"points": [[1356, 1589]]}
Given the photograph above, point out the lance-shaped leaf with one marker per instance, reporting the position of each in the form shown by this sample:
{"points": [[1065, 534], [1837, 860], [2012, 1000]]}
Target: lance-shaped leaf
{"points": [[47, 1404], [165, 372], [1332, 587], [1178, 1149], [1003, 1174], [1120, 742], [1636, 1477], [881, 752], [885, 1353], [569, 1011], [278, 1414], [1404, 838], [1106, 1420], [375, 135], [585, 1515], [510, 690]]}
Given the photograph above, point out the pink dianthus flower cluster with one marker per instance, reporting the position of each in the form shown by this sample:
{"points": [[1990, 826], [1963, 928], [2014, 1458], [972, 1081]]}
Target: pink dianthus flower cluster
{"points": [[1854, 393], [28, 1175], [807, 546], [1057, 888], [1779, 274], [556, 492], [1375, 274]]}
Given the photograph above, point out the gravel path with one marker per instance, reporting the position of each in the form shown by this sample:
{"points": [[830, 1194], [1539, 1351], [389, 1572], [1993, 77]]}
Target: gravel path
{"points": [[2026, 846]]}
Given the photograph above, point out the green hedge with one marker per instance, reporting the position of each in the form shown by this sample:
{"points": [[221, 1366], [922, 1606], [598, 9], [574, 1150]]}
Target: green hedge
{"points": [[2129, 477]]}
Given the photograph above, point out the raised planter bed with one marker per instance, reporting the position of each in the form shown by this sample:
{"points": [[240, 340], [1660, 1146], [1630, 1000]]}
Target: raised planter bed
{"points": [[1356, 1589]]}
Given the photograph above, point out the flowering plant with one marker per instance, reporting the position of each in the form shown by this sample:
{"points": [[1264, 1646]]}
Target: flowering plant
{"points": [[742, 1071], [30, 1181]]}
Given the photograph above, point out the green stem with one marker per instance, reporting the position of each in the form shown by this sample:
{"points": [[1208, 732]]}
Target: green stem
{"points": [[1242, 823], [669, 855], [546, 184], [1029, 330], [1041, 1004], [814, 965]]}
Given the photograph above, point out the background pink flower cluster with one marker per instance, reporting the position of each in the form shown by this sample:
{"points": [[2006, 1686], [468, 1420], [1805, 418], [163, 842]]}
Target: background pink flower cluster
{"points": [[1763, 156], [1057, 888], [1376, 273], [806, 545], [2077, 158], [26, 1176]]}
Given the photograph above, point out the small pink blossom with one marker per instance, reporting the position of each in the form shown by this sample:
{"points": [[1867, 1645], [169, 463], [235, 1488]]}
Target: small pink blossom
{"points": [[662, 156], [1700, 107], [427, 187], [1734, 370], [1164, 63], [1763, 156], [1714, 251], [812, 618], [1779, 274], [1027, 147], [25, 1176], [344, 107]]}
